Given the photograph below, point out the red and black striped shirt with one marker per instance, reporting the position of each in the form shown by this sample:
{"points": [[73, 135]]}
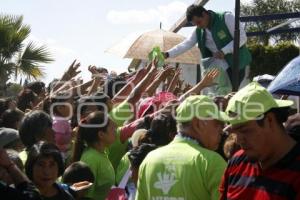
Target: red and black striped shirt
{"points": [[244, 179]]}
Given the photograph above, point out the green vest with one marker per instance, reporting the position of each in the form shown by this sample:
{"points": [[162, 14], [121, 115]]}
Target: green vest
{"points": [[221, 37]]}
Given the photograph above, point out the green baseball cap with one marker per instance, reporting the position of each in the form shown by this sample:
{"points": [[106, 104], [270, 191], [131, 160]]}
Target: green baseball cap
{"points": [[250, 103], [199, 106]]}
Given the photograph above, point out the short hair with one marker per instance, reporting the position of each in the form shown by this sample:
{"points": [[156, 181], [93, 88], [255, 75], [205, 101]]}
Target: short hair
{"points": [[162, 128], [281, 115], [77, 172], [114, 85], [33, 126], [194, 10], [138, 154], [25, 99], [37, 87], [11, 117], [41, 150]]}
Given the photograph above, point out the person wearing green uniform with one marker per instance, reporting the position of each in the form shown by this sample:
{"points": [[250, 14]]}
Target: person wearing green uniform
{"points": [[96, 133], [214, 34], [187, 168]]}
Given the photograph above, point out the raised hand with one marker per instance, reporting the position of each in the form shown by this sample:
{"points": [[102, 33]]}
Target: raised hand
{"points": [[73, 70], [208, 79]]}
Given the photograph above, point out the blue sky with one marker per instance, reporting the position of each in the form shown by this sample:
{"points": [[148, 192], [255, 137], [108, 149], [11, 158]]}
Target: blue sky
{"points": [[84, 29]]}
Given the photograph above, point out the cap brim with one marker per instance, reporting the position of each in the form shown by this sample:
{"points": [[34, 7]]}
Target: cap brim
{"points": [[284, 103]]}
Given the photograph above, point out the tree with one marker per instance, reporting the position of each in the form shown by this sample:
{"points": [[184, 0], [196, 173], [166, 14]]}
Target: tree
{"points": [[262, 7], [17, 57]]}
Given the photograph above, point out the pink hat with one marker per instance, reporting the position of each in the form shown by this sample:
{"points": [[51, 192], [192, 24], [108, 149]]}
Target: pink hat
{"points": [[153, 104]]}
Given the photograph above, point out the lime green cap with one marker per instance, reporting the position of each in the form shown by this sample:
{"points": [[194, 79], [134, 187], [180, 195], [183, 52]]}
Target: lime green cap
{"points": [[251, 102], [199, 106]]}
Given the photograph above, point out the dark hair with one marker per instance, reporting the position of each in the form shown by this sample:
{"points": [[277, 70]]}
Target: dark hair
{"points": [[138, 154], [25, 99], [40, 150], [194, 10], [114, 85], [281, 115], [60, 97], [145, 124], [4, 105], [11, 117], [77, 172], [162, 130], [33, 126], [37, 87], [89, 135], [98, 98]]}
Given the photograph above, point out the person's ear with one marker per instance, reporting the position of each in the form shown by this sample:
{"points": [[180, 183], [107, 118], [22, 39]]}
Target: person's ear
{"points": [[100, 135], [270, 120]]}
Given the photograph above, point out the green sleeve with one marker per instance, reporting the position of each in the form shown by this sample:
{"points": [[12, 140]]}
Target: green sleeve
{"points": [[121, 113], [122, 168], [141, 185], [215, 170], [117, 150]]}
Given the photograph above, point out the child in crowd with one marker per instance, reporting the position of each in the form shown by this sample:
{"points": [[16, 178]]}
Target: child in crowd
{"points": [[43, 166], [79, 174]]}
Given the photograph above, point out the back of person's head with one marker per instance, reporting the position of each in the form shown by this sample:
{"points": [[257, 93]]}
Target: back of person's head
{"points": [[34, 126], [10, 139], [51, 85], [162, 130], [98, 101], [26, 99], [12, 118], [78, 172], [43, 150], [114, 85], [14, 156], [87, 134], [194, 10], [6, 103], [138, 154], [231, 146], [37, 87]]}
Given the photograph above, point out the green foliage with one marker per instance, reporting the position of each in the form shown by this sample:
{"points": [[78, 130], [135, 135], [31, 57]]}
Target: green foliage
{"points": [[158, 55], [263, 7], [15, 56], [271, 59]]}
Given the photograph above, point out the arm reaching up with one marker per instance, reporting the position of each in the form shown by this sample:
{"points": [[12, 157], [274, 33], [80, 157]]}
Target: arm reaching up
{"points": [[208, 80]]}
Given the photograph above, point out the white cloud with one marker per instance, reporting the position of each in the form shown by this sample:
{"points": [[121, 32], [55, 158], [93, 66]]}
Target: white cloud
{"points": [[166, 14]]}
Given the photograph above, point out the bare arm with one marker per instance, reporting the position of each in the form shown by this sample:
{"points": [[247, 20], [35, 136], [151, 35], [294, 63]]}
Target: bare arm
{"points": [[205, 82], [127, 89]]}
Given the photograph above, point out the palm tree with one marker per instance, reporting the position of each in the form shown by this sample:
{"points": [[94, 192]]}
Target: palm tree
{"points": [[16, 56]]}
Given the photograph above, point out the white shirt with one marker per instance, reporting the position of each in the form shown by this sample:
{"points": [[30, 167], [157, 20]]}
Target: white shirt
{"points": [[190, 42]]}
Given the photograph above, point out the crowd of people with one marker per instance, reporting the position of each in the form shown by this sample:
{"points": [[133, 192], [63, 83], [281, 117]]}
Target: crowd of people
{"points": [[146, 136], [75, 140]]}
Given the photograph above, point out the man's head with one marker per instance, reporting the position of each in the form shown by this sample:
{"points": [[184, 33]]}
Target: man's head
{"points": [[198, 117], [256, 118], [198, 16]]}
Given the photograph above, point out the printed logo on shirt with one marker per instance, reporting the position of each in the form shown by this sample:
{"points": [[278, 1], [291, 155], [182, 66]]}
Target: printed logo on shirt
{"points": [[221, 34]]}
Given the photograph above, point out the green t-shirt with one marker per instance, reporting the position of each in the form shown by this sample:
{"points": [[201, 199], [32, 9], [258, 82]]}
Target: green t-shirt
{"points": [[182, 170], [23, 156], [103, 171], [119, 114], [123, 166]]}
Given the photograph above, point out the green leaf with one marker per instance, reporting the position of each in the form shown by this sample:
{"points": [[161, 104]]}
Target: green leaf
{"points": [[158, 55]]}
